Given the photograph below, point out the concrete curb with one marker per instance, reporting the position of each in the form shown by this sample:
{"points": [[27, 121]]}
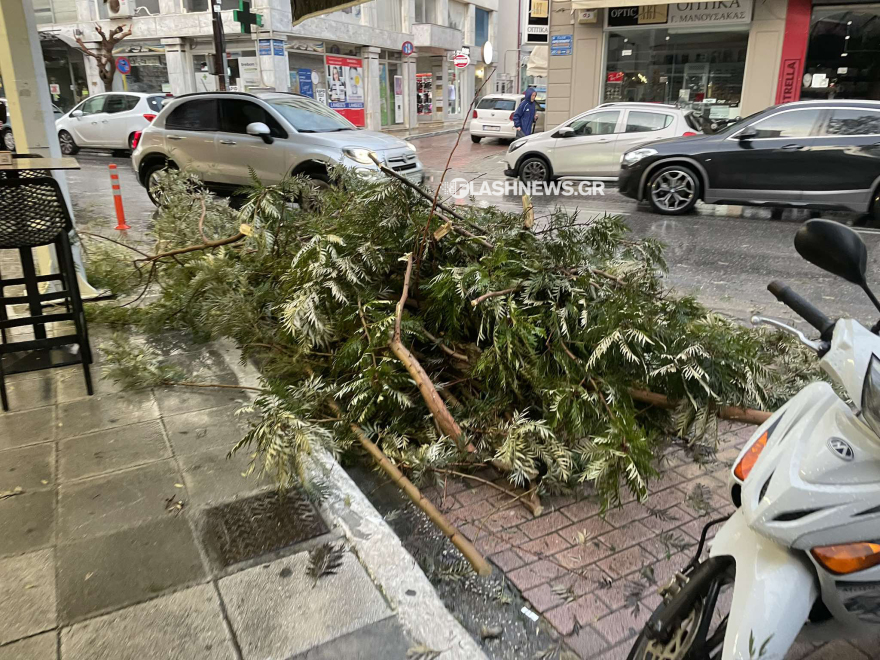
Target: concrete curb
{"points": [[392, 568], [424, 135]]}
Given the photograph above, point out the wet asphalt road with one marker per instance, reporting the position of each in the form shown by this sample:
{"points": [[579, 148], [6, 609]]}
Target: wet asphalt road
{"points": [[726, 261]]}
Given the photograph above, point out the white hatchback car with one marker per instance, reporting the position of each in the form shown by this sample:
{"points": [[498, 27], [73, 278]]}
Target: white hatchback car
{"points": [[107, 121], [590, 145], [493, 117]]}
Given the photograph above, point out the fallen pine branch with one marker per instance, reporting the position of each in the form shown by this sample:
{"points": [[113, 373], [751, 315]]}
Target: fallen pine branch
{"points": [[731, 413]]}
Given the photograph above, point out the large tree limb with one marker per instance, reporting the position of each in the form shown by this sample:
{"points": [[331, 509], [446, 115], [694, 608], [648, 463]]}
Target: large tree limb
{"points": [[194, 248], [732, 413]]}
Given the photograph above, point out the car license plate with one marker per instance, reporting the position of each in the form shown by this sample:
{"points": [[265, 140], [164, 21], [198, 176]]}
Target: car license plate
{"points": [[491, 128]]}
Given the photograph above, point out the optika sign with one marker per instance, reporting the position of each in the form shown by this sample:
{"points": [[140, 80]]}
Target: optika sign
{"points": [[732, 11]]}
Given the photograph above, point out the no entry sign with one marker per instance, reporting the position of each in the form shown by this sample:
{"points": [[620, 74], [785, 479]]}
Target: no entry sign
{"points": [[461, 60]]}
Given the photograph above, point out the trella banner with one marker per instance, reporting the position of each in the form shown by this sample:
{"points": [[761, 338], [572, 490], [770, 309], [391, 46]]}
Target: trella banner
{"points": [[345, 87]]}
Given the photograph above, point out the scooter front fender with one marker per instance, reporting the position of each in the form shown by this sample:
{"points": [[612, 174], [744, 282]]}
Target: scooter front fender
{"points": [[775, 589]]}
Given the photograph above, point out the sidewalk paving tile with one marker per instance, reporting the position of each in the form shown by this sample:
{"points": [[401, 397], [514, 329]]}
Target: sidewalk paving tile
{"points": [[97, 413], [72, 385], [27, 522], [173, 401], [38, 647], [110, 450], [187, 625], [27, 605], [205, 429], [100, 573], [121, 499], [384, 640], [27, 427], [30, 468], [212, 477], [272, 619], [29, 393]]}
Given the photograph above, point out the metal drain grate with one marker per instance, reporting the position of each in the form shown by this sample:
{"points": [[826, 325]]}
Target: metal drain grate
{"points": [[258, 525]]}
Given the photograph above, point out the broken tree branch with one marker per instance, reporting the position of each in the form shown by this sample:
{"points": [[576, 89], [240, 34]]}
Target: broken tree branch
{"points": [[194, 248], [732, 413], [535, 507], [494, 294]]}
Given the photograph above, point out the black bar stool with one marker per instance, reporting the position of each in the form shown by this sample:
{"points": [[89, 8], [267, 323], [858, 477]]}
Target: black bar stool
{"points": [[33, 213]]}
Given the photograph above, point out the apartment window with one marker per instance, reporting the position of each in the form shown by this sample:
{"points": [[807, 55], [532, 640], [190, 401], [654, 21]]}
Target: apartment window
{"points": [[481, 27], [54, 11], [389, 15], [457, 15], [425, 12]]}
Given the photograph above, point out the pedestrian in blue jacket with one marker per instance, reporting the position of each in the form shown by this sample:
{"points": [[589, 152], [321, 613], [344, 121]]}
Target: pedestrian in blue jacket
{"points": [[524, 117]]}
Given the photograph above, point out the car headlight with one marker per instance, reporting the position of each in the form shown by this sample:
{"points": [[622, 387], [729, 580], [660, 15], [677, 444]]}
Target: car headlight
{"points": [[516, 144], [633, 157], [871, 395], [410, 145], [360, 155]]}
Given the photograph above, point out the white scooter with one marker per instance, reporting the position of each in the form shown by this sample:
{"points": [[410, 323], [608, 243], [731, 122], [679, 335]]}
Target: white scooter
{"points": [[801, 554]]}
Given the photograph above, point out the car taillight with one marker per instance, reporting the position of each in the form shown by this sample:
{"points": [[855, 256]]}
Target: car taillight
{"points": [[149, 116], [135, 139], [688, 134], [511, 117], [474, 115]]}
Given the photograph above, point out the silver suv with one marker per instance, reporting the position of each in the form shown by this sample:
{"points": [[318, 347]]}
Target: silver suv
{"points": [[219, 135]]}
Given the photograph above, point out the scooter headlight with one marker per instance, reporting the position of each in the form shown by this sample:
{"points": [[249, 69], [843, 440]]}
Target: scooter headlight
{"points": [[871, 395]]}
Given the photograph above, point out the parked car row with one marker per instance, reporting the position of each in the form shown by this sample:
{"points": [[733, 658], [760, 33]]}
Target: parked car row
{"points": [[820, 155]]}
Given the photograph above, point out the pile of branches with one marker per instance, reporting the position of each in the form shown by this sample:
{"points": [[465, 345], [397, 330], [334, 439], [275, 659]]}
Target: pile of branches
{"points": [[466, 337]]}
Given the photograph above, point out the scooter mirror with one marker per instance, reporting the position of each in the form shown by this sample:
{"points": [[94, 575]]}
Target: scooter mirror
{"points": [[833, 247]]}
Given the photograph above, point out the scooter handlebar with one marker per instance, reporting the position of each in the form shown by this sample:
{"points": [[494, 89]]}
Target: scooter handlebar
{"points": [[803, 308]]}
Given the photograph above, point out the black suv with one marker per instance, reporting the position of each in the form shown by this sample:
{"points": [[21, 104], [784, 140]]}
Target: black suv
{"points": [[807, 154]]}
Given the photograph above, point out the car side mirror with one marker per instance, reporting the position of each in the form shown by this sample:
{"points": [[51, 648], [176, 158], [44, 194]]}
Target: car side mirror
{"points": [[76, 113], [260, 129], [565, 132], [834, 248], [749, 133]]}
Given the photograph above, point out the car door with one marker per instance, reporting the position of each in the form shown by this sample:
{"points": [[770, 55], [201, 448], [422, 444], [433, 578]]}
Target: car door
{"points": [[844, 158], [770, 165], [237, 151], [590, 151], [189, 134], [87, 128], [116, 124], [641, 127]]}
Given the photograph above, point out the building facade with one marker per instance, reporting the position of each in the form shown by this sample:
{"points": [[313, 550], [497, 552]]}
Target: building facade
{"points": [[353, 59], [722, 59]]}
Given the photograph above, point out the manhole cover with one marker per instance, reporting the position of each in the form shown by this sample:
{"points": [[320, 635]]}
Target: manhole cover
{"points": [[255, 526]]}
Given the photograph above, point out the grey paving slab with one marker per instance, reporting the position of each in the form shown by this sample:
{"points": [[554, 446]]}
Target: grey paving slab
{"points": [[276, 613], [110, 450], [27, 522], [28, 393], [120, 499], [126, 567], [187, 625], [385, 640], [97, 413], [174, 400], [27, 606], [197, 431], [28, 427], [29, 467], [200, 364], [39, 647], [212, 477], [72, 385]]}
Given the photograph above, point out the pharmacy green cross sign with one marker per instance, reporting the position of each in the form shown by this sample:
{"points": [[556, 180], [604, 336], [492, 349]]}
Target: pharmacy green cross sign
{"points": [[246, 17]]}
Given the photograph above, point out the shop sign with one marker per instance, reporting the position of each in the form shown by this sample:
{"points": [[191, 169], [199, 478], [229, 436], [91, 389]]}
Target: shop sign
{"points": [[272, 47], [614, 77], [722, 12], [560, 45], [791, 78], [345, 82], [249, 72], [304, 77], [587, 15], [536, 21]]}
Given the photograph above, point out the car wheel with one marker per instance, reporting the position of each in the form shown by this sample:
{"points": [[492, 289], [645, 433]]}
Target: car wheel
{"points": [[68, 146], [673, 190], [152, 180], [476, 139], [9, 140], [534, 169]]}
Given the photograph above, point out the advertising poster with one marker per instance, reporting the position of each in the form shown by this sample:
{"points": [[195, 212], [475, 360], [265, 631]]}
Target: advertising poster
{"points": [[345, 86], [398, 99], [249, 72], [305, 82]]}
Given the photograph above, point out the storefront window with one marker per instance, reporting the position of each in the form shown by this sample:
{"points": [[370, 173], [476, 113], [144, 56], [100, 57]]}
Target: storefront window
{"points": [[453, 90], [700, 71], [843, 55]]}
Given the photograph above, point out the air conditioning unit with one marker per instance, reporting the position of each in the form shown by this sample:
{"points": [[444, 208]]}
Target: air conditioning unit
{"points": [[120, 8]]}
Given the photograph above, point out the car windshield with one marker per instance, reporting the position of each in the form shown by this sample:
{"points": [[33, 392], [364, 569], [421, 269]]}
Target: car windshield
{"points": [[308, 116]]}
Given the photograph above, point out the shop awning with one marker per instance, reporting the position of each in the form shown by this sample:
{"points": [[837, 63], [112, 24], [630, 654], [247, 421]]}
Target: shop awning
{"points": [[537, 64], [303, 9], [602, 4]]}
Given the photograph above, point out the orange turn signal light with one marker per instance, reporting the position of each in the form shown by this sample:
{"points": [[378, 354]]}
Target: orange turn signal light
{"points": [[741, 471], [847, 558]]}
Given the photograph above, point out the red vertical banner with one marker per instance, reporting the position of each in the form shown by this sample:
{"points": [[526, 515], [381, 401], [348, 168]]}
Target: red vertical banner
{"points": [[794, 50]]}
